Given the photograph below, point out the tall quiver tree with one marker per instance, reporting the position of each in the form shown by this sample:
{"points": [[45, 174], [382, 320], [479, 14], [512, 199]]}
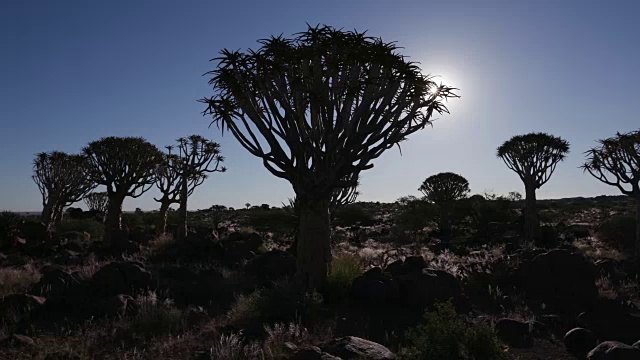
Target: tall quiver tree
{"points": [[97, 202], [317, 109], [62, 180], [196, 157], [126, 167], [616, 162], [533, 157], [443, 190]]}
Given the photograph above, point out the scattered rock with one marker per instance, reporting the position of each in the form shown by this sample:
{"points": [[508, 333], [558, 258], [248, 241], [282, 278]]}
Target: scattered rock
{"points": [[351, 347], [125, 277], [514, 333], [579, 342], [614, 350]]}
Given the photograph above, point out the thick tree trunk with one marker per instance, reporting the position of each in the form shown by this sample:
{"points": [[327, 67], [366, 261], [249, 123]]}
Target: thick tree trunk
{"points": [[445, 225], [637, 248], [314, 243], [531, 222], [164, 212], [182, 211], [48, 213], [59, 215], [114, 216]]}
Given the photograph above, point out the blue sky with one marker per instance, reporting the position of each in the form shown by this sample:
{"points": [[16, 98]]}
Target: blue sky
{"points": [[74, 71]]}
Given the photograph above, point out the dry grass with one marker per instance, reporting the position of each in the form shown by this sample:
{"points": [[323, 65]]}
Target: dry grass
{"points": [[18, 279], [595, 250]]}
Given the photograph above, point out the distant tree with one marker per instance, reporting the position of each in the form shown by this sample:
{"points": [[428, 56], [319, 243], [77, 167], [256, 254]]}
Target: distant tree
{"points": [[97, 202], [317, 109], [616, 162], [534, 158], [514, 196], [126, 167], [247, 205], [168, 182], [196, 156], [443, 190], [62, 180]]}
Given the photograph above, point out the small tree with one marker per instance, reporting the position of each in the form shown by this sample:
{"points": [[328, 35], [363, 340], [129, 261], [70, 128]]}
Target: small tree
{"points": [[616, 162], [317, 109], [97, 202], [534, 158], [196, 156], [443, 190], [126, 167], [62, 180]]}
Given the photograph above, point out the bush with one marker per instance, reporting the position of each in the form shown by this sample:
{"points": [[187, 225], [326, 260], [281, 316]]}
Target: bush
{"points": [[445, 336], [353, 214], [90, 226], [274, 220], [232, 347], [155, 317], [344, 269], [618, 231], [8, 228]]}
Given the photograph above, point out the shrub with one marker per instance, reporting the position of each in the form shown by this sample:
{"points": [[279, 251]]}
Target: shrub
{"points": [[445, 336], [232, 347], [17, 280], [274, 220], [90, 226], [618, 231], [353, 214], [344, 269], [156, 317], [284, 302], [8, 228]]}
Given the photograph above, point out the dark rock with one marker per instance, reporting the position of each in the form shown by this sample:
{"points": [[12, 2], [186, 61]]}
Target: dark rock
{"points": [[424, 288], [375, 287], [614, 350], [351, 347], [54, 283], [241, 246], [120, 243], [63, 355], [192, 288], [514, 333], [124, 277], [579, 342], [21, 303], [117, 305], [611, 320], [271, 266], [312, 353], [560, 279], [16, 340]]}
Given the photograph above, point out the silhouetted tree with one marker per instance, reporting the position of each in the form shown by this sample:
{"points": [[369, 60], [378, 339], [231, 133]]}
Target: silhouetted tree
{"points": [[97, 202], [317, 109], [534, 158], [196, 156], [443, 190], [616, 162], [126, 167], [247, 205], [62, 180]]}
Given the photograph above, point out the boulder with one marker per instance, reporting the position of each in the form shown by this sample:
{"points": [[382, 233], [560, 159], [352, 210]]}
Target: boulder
{"points": [[424, 288], [351, 347], [411, 264], [55, 283], [123, 277], [117, 305], [16, 340], [240, 246], [614, 350], [271, 266], [312, 353], [579, 342], [514, 333], [23, 304], [375, 287], [612, 320], [192, 288], [560, 279]]}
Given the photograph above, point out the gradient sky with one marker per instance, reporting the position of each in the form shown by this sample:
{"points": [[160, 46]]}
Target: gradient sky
{"points": [[74, 71]]}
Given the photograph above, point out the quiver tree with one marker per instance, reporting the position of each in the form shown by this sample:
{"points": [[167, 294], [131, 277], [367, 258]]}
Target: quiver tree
{"points": [[534, 158], [97, 202], [444, 190], [62, 180], [195, 156], [616, 162], [126, 167], [317, 109]]}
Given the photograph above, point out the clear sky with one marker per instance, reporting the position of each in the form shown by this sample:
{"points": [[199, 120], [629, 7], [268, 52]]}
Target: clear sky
{"points": [[74, 71]]}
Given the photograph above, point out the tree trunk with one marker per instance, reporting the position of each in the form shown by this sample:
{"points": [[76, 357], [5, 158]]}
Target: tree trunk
{"points": [[637, 247], [182, 211], [531, 222], [164, 212], [48, 213], [445, 224], [59, 215], [314, 243], [114, 216]]}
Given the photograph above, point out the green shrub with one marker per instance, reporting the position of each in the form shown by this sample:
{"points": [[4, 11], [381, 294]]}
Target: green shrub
{"points": [[445, 336], [91, 226], [344, 269], [283, 302], [353, 214], [618, 231]]}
